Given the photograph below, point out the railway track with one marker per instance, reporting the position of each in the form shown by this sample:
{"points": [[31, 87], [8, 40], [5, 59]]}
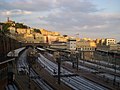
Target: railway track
{"points": [[75, 82], [11, 87], [22, 62]]}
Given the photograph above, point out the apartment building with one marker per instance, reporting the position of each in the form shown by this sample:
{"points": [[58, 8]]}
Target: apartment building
{"points": [[110, 41], [86, 49], [71, 44]]}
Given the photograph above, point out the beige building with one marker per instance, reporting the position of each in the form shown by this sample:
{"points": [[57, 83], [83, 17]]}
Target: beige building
{"points": [[59, 45], [97, 41], [106, 41], [62, 39], [86, 49], [71, 44], [45, 39], [107, 44], [110, 41], [39, 37], [46, 32], [34, 38], [12, 30], [20, 30], [102, 42], [51, 39], [86, 45]]}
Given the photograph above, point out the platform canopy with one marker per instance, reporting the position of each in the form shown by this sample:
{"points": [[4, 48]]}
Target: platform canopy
{"points": [[41, 49], [15, 53]]}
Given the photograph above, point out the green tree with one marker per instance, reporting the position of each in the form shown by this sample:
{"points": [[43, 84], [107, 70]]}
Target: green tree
{"points": [[37, 31], [5, 28], [20, 25]]}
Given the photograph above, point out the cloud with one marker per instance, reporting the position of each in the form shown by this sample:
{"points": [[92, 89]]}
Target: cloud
{"points": [[28, 5], [76, 6], [14, 12], [89, 25], [46, 5], [65, 16]]}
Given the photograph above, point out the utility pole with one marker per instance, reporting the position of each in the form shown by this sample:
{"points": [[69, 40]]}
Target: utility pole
{"points": [[114, 69], [77, 58], [59, 64], [58, 59], [73, 56], [29, 76], [107, 59], [73, 63]]}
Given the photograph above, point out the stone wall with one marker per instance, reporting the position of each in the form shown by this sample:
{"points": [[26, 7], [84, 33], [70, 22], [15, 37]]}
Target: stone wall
{"points": [[6, 45]]}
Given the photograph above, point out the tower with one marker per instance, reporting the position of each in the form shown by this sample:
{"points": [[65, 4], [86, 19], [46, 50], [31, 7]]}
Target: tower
{"points": [[8, 19]]}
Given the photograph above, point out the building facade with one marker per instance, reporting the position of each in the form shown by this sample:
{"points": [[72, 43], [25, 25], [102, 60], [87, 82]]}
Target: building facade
{"points": [[110, 41], [59, 45], [86, 49], [71, 44]]}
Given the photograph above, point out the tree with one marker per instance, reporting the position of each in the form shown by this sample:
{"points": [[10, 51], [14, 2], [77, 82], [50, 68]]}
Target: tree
{"points": [[20, 25], [65, 35], [5, 28], [37, 31]]}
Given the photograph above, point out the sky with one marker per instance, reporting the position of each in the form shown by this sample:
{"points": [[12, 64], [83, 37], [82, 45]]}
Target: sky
{"points": [[90, 18]]}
